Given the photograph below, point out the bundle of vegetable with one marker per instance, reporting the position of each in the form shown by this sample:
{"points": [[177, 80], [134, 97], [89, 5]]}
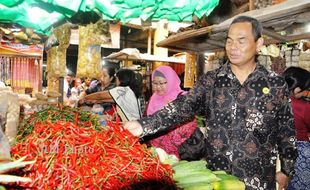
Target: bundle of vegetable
{"points": [[227, 182], [5, 167], [194, 175], [72, 157], [54, 114]]}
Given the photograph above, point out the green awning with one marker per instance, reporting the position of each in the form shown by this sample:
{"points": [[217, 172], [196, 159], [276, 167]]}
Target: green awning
{"points": [[41, 15]]}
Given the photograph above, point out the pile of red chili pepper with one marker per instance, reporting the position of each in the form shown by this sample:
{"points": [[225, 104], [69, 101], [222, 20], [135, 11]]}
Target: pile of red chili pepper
{"points": [[57, 113], [72, 157]]}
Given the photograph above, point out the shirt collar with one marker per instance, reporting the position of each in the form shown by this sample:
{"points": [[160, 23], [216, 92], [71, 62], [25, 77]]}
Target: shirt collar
{"points": [[260, 70]]}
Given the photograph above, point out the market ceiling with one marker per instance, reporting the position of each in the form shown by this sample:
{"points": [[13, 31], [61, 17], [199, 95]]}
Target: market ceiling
{"points": [[284, 22], [42, 15]]}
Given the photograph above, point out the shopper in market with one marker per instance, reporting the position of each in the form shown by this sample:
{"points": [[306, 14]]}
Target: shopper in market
{"points": [[68, 85], [166, 88], [85, 84], [75, 92], [247, 111], [298, 81], [106, 82], [126, 95]]}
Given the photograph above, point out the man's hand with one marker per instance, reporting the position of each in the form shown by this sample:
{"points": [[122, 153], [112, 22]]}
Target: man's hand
{"points": [[282, 180], [134, 128]]}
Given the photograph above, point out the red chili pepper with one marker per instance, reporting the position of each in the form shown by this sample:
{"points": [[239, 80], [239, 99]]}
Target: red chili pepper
{"points": [[76, 157]]}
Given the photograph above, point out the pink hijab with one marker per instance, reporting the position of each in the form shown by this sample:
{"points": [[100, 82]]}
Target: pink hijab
{"points": [[173, 90]]}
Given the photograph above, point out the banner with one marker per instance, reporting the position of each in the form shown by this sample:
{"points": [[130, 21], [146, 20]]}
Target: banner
{"points": [[11, 48]]}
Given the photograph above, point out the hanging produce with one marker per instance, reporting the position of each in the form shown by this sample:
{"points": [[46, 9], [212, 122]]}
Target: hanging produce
{"points": [[91, 37], [190, 70], [56, 56]]}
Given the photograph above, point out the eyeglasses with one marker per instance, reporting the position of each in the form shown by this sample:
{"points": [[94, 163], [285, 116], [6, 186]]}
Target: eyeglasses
{"points": [[159, 83]]}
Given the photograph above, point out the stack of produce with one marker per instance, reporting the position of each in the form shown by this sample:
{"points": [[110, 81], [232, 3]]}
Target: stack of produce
{"points": [[304, 60], [70, 156], [292, 57], [194, 175]]}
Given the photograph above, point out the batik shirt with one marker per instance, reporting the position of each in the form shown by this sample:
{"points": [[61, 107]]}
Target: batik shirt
{"points": [[247, 125]]}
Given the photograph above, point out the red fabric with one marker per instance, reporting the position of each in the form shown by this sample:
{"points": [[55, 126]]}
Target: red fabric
{"points": [[301, 112], [25, 72], [171, 141]]}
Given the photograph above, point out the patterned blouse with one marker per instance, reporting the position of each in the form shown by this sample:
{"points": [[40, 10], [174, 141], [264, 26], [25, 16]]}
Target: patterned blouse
{"points": [[247, 125]]}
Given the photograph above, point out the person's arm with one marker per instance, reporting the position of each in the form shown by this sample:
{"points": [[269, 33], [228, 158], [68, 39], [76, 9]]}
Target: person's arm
{"points": [[285, 139], [176, 112], [103, 96]]}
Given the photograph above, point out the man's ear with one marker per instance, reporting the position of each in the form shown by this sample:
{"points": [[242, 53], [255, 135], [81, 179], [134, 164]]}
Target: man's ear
{"points": [[259, 44]]}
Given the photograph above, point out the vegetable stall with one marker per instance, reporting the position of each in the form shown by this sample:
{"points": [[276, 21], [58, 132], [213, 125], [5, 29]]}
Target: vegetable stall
{"points": [[66, 148]]}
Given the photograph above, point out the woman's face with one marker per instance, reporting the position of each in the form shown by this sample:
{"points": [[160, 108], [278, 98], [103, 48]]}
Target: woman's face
{"points": [[105, 78], [159, 85]]}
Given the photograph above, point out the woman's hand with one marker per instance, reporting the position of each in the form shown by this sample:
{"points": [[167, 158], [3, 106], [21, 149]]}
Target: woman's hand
{"points": [[282, 180], [134, 128]]}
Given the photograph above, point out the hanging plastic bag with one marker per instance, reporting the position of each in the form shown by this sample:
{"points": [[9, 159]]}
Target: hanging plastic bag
{"points": [[56, 56], [51, 42], [91, 37], [4, 147]]}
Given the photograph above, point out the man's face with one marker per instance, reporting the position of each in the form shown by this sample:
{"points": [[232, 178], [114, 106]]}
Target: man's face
{"points": [[240, 44], [87, 81]]}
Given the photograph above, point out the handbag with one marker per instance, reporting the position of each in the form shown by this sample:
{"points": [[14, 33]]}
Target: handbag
{"points": [[193, 148]]}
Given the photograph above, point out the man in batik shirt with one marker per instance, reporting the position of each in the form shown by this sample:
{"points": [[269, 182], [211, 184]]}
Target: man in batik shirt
{"points": [[248, 113]]}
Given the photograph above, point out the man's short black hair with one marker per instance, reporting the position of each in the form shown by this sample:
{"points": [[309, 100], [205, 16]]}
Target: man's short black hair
{"points": [[257, 27]]}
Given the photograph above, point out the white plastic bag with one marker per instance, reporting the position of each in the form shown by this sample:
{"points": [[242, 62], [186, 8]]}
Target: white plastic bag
{"points": [[4, 147]]}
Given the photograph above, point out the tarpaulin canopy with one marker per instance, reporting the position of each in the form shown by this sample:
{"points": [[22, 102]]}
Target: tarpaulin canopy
{"points": [[41, 15]]}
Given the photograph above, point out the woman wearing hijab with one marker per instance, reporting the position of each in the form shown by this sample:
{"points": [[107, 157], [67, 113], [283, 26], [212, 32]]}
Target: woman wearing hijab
{"points": [[166, 88]]}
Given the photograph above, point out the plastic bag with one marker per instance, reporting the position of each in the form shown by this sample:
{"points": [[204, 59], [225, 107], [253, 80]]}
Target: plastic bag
{"points": [[4, 142], [4, 147], [52, 84], [56, 56], [51, 42], [56, 62], [3, 108], [12, 119], [90, 39]]}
